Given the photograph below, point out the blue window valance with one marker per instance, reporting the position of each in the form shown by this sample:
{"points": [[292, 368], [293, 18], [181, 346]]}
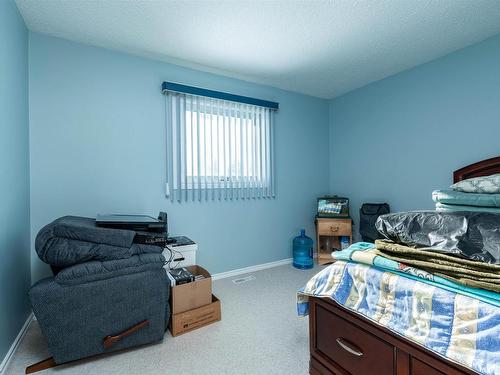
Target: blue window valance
{"points": [[177, 87]]}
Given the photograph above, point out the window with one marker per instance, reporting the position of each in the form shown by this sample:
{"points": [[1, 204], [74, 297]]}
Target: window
{"points": [[218, 149]]}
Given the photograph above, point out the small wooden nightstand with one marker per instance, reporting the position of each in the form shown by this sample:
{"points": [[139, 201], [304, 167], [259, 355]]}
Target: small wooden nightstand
{"points": [[328, 233]]}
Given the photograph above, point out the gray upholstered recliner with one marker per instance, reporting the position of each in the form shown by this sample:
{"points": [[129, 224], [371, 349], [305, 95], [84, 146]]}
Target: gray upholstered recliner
{"points": [[109, 293]]}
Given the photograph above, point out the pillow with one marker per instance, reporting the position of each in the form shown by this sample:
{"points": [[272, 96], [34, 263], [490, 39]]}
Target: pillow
{"points": [[486, 184]]}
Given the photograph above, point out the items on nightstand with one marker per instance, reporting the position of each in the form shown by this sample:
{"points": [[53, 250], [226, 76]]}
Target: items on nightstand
{"points": [[333, 206], [344, 242]]}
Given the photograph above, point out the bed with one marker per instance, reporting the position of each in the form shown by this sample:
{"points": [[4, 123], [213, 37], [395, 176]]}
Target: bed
{"points": [[343, 340]]}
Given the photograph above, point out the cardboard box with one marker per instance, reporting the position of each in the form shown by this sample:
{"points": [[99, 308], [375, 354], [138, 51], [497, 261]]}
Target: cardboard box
{"points": [[192, 295], [190, 320]]}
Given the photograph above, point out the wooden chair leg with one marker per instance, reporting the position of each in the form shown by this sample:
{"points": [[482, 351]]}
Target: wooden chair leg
{"points": [[108, 342], [42, 365]]}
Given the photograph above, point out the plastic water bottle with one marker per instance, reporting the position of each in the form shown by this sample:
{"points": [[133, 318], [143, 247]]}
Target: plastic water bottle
{"points": [[302, 251], [344, 242]]}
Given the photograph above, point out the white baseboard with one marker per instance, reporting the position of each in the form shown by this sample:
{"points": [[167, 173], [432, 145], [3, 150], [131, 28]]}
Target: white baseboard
{"points": [[258, 267], [15, 344]]}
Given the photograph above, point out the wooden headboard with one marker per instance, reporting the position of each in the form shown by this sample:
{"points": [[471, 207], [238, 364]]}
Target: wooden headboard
{"points": [[481, 168]]}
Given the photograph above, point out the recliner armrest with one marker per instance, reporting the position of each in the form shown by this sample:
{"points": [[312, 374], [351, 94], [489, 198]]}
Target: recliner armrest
{"points": [[100, 270]]}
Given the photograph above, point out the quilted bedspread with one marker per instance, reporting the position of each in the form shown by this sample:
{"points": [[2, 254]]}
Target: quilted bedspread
{"points": [[458, 327]]}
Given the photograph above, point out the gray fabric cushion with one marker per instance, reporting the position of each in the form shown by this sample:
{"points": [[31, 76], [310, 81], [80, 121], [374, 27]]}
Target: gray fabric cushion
{"points": [[101, 270], [71, 240]]}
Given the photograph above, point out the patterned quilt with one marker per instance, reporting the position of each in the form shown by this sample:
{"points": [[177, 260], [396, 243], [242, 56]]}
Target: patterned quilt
{"points": [[458, 327]]}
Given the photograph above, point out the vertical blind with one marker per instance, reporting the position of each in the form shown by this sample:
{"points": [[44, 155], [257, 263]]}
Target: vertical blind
{"points": [[218, 149]]}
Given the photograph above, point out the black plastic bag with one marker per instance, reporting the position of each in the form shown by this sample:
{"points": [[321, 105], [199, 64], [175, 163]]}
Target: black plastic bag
{"points": [[368, 215], [473, 235]]}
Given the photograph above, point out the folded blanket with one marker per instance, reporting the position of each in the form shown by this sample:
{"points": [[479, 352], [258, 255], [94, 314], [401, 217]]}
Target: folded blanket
{"points": [[464, 271], [466, 199], [71, 240], [366, 253], [473, 235], [445, 207]]}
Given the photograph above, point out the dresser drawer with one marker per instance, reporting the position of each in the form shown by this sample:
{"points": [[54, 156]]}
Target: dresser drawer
{"points": [[350, 347], [421, 368], [336, 227]]}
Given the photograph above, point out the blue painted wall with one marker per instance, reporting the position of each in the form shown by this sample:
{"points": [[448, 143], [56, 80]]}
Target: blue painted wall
{"points": [[98, 145], [14, 175], [398, 139]]}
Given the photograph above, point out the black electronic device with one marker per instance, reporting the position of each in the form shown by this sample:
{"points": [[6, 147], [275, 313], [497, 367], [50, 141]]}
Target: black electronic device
{"points": [[153, 238], [179, 276], [133, 222]]}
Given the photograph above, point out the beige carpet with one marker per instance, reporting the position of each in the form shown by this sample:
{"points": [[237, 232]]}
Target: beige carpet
{"points": [[260, 333]]}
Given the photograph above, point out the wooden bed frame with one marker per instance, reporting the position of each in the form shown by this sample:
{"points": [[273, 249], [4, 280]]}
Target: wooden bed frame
{"points": [[481, 168], [343, 342]]}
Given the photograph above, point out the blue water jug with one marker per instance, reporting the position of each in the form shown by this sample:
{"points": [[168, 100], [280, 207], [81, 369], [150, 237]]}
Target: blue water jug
{"points": [[302, 251]]}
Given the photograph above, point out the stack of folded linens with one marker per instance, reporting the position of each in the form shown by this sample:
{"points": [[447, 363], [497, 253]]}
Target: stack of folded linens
{"points": [[460, 246], [475, 194]]}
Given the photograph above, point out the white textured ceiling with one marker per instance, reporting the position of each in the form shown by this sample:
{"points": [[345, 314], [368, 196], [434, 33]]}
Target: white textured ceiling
{"points": [[321, 48]]}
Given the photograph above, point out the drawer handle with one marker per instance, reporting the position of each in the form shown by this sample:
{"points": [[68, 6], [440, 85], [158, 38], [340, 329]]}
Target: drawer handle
{"points": [[334, 229], [346, 345]]}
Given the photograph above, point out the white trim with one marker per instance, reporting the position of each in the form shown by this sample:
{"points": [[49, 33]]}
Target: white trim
{"points": [[258, 267], [15, 344]]}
